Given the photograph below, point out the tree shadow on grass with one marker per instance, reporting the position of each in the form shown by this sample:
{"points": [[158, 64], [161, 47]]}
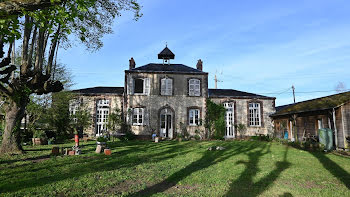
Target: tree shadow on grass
{"points": [[31, 176], [209, 158], [244, 185], [333, 168]]}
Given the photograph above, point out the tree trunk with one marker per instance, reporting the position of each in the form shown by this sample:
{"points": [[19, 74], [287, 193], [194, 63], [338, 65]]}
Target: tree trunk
{"points": [[11, 137]]}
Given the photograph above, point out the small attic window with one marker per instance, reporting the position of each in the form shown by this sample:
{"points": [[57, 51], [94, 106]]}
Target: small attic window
{"points": [[138, 86]]}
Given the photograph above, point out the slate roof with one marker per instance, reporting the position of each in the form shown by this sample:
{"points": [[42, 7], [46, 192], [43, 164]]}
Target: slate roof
{"points": [[166, 68], [235, 93], [318, 104], [166, 54], [100, 90]]}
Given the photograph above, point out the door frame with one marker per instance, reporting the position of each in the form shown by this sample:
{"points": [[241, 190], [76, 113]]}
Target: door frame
{"points": [[172, 113], [233, 103]]}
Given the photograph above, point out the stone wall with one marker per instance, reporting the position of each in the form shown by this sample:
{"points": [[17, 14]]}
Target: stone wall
{"points": [[179, 102], [241, 113], [89, 101]]}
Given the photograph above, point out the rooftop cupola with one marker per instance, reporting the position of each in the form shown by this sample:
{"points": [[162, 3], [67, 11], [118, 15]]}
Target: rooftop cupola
{"points": [[166, 55]]}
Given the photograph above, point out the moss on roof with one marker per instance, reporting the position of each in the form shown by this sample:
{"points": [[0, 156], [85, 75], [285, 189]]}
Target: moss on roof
{"points": [[322, 103]]}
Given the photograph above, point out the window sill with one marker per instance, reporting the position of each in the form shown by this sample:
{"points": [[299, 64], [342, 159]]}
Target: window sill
{"points": [[139, 94], [254, 126], [194, 96], [193, 125]]}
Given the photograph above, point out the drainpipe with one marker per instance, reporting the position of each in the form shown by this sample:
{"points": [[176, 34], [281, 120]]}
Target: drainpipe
{"points": [[335, 129]]}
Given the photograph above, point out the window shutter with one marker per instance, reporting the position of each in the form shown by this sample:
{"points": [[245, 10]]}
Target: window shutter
{"points": [[146, 83], [191, 87], [130, 85], [197, 87], [163, 86], [145, 116], [129, 116], [169, 86]]}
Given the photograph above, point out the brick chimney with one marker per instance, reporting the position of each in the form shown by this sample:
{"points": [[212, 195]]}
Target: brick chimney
{"points": [[132, 63], [200, 65]]}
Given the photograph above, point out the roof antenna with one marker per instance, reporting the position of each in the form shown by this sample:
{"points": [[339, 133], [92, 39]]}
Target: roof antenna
{"points": [[216, 80]]}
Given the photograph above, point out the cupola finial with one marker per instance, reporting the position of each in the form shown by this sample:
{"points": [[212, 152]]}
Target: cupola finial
{"points": [[166, 55]]}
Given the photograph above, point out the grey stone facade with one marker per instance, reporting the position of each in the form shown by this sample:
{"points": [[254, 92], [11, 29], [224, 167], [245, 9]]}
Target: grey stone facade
{"points": [[183, 107]]}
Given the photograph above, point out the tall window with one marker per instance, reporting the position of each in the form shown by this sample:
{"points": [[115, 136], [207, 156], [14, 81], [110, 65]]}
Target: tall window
{"points": [[229, 119], [138, 116], [193, 117], [166, 86], [73, 108], [254, 114], [194, 87], [102, 112], [141, 86]]}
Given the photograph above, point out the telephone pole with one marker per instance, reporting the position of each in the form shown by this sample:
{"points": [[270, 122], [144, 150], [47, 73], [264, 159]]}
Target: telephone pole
{"points": [[293, 92]]}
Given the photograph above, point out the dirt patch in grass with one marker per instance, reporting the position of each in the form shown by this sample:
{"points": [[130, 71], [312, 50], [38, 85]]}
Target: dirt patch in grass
{"points": [[182, 189], [121, 187], [310, 185]]}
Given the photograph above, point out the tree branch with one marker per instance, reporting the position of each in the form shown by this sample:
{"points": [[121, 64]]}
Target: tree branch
{"points": [[26, 38], [30, 55], [16, 7], [52, 50]]}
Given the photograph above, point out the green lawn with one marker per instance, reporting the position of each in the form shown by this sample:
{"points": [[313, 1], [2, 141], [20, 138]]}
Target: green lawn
{"points": [[244, 168]]}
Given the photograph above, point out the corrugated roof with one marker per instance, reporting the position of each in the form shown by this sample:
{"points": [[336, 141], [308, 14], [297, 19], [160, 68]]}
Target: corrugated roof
{"points": [[323, 103], [234, 93], [101, 90], [167, 68]]}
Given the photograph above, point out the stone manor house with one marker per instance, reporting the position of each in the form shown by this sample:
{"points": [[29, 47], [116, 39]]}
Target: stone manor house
{"points": [[164, 98]]}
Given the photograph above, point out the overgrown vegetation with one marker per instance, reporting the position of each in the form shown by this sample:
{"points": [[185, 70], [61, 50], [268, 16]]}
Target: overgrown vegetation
{"points": [[215, 120]]}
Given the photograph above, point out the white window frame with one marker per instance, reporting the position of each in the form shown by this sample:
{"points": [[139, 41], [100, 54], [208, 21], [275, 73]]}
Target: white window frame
{"points": [[146, 86], [166, 86], [194, 87], [102, 114], [229, 119], [139, 113], [254, 114], [194, 117]]}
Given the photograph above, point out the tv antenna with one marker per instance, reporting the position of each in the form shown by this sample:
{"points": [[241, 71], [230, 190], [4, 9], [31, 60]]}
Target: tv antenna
{"points": [[217, 80]]}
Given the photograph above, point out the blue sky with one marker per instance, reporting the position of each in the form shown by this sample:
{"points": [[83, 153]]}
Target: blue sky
{"points": [[262, 47]]}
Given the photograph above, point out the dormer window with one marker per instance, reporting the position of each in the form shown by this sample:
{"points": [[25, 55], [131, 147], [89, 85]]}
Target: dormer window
{"points": [[194, 87], [166, 86]]}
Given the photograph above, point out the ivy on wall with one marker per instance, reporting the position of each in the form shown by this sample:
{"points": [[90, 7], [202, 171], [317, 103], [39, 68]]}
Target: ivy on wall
{"points": [[215, 120]]}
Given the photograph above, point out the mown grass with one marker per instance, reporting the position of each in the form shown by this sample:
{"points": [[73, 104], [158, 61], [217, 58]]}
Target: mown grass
{"points": [[138, 168]]}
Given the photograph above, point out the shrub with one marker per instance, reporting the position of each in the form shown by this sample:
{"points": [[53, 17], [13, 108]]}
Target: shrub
{"points": [[197, 137], [39, 134], [126, 129], [101, 139], [184, 133]]}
